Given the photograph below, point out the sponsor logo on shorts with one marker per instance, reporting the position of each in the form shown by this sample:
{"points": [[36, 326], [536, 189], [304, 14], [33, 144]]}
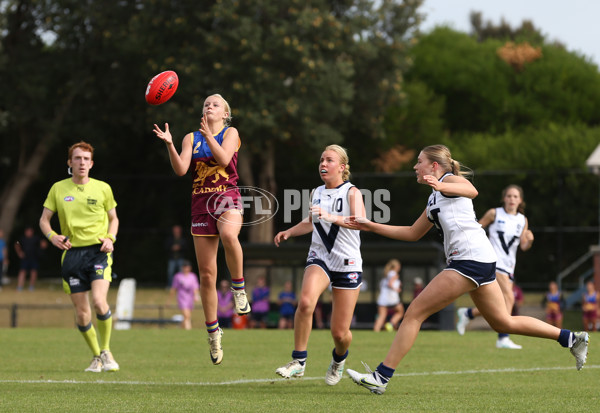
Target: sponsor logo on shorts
{"points": [[69, 198], [199, 224], [99, 269], [353, 277], [74, 282]]}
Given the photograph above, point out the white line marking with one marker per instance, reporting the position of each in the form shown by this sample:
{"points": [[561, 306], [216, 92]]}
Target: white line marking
{"points": [[248, 381]]}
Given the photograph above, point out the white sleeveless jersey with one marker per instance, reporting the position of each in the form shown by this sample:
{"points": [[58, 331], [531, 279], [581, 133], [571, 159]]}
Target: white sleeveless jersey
{"points": [[388, 296], [464, 238], [505, 236], [337, 247]]}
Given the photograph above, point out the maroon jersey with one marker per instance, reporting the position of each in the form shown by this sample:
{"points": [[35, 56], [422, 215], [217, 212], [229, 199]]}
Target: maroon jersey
{"points": [[214, 188]]}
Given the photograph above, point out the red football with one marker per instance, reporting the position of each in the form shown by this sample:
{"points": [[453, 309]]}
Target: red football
{"points": [[162, 87]]}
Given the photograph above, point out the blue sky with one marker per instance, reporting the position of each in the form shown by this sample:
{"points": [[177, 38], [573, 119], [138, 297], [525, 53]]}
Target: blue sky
{"points": [[573, 23]]}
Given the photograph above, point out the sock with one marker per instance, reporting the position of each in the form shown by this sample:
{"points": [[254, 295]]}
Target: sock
{"points": [[566, 338], [470, 313], [385, 372], [300, 356], [105, 329], [502, 335], [89, 334], [341, 358], [238, 283], [212, 327]]}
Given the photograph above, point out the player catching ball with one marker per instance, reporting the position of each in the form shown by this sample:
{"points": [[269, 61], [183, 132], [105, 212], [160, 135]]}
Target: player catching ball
{"points": [[212, 152]]}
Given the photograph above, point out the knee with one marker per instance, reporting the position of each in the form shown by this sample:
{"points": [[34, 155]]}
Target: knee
{"points": [[100, 306], [229, 239], [340, 335], [83, 316], [207, 275], [306, 306]]}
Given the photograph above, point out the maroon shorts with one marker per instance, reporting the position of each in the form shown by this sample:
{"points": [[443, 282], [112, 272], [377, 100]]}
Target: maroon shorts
{"points": [[553, 316], [205, 225]]}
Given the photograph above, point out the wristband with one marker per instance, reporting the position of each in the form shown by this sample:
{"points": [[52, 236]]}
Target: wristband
{"points": [[51, 235], [112, 237]]}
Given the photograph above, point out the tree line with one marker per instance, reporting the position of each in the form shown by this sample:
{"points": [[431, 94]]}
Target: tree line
{"points": [[298, 75]]}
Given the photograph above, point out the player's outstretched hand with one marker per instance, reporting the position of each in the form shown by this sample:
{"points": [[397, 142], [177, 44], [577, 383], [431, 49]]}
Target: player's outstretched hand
{"points": [[360, 223], [280, 237], [163, 135]]}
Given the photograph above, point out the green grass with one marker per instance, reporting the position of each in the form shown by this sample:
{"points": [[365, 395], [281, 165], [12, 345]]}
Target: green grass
{"points": [[170, 371]]}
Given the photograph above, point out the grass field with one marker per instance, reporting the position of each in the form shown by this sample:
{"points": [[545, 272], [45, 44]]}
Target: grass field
{"points": [[169, 370]]}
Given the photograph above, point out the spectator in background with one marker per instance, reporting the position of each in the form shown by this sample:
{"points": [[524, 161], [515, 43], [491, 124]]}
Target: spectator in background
{"points": [[553, 302], [589, 306], [3, 258], [287, 306], [418, 287], [29, 249], [225, 304], [260, 304], [388, 300], [518, 292], [177, 250], [187, 288], [318, 315]]}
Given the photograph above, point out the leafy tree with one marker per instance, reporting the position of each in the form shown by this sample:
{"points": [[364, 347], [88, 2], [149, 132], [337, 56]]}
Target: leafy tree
{"points": [[298, 75], [483, 93]]}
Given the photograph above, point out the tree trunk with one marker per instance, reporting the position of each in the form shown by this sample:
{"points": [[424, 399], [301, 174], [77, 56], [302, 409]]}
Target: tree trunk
{"points": [[16, 187], [261, 233]]}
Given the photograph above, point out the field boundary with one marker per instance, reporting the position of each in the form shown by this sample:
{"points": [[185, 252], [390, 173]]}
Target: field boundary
{"points": [[249, 381]]}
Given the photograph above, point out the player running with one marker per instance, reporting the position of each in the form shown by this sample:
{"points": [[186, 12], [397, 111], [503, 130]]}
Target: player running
{"points": [[508, 230], [471, 268], [334, 259]]}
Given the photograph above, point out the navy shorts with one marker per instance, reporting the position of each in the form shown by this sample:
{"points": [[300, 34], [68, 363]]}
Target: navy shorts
{"points": [[82, 265], [508, 274], [481, 273], [342, 280], [30, 264]]}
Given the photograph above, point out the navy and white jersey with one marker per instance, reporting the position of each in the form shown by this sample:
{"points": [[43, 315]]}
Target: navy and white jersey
{"points": [[505, 236], [464, 238], [337, 247]]}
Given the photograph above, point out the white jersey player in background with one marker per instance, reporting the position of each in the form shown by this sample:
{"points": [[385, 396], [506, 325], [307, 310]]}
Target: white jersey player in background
{"points": [[471, 268], [334, 259], [507, 230]]}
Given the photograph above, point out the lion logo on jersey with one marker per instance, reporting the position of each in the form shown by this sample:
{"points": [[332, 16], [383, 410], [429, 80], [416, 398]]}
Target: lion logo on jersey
{"points": [[213, 169]]}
